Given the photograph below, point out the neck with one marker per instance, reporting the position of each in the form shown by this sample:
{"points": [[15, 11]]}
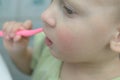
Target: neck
{"points": [[103, 70]]}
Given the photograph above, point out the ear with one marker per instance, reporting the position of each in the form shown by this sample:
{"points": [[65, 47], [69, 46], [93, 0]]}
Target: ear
{"points": [[115, 42]]}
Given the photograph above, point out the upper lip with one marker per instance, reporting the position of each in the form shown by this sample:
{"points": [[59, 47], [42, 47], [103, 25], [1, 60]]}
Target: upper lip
{"points": [[46, 34]]}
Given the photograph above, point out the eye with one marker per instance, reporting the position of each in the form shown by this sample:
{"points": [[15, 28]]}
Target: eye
{"points": [[68, 10]]}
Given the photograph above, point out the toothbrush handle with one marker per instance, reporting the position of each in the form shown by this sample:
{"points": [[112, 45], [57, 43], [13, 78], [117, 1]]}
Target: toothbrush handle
{"points": [[1, 33], [26, 33]]}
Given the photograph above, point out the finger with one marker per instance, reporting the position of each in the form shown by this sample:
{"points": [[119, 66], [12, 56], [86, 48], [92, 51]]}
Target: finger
{"points": [[20, 40], [17, 38], [6, 24], [28, 24], [17, 27], [7, 28]]}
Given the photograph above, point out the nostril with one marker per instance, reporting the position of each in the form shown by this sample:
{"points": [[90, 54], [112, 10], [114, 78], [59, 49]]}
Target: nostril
{"points": [[51, 22]]}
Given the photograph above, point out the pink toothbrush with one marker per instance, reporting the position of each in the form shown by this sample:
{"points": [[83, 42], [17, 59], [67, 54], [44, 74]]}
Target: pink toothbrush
{"points": [[26, 33]]}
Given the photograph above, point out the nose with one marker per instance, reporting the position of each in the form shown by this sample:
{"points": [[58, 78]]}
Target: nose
{"points": [[48, 18]]}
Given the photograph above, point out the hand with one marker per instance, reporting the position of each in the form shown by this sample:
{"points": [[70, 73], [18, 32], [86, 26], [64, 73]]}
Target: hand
{"points": [[12, 42]]}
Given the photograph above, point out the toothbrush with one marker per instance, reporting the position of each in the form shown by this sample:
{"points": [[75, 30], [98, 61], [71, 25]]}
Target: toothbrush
{"points": [[26, 33]]}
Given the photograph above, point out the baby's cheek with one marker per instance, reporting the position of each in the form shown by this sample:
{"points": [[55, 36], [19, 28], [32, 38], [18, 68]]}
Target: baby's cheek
{"points": [[65, 38]]}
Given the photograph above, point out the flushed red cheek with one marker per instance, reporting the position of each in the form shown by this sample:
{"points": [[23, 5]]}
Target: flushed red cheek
{"points": [[65, 38]]}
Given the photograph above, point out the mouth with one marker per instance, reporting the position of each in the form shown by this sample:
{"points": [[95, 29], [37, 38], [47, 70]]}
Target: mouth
{"points": [[48, 41]]}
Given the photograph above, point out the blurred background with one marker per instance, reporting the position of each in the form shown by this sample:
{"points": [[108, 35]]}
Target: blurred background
{"points": [[20, 10]]}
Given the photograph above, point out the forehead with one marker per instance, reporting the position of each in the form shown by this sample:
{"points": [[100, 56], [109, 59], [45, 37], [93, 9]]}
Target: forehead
{"points": [[95, 2]]}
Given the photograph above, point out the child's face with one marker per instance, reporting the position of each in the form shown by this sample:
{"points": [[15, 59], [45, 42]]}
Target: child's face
{"points": [[79, 30]]}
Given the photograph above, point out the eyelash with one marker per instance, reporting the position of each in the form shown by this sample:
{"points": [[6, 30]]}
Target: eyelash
{"points": [[68, 10]]}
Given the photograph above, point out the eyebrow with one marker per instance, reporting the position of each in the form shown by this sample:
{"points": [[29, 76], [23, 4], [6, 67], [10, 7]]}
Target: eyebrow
{"points": [[75, 5]]}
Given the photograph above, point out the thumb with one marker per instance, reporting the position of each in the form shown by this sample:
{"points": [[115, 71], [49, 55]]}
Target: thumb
{"points": [[28, 24]]}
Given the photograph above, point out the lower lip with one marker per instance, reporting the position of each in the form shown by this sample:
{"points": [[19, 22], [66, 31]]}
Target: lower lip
{"points": [[48, 41]]}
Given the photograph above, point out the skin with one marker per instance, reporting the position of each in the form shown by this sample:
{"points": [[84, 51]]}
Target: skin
{"points": [[83, 34], [17, 46], [82, 39]]}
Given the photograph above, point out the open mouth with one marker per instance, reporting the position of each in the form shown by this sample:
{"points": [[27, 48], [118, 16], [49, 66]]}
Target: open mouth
{"points": [[48, 41]]}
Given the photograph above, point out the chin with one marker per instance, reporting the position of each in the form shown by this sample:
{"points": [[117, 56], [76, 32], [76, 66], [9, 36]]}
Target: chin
{"points": [[59, 57], [53, 53], [56, 55]]}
